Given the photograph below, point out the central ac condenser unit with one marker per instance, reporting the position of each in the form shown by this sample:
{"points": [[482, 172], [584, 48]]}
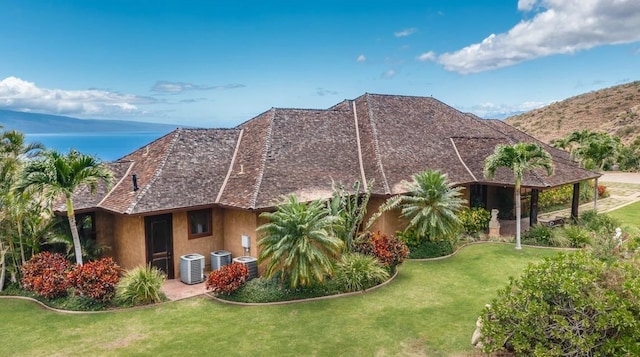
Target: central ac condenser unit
{"points": [[192, 268], [220, 258]]}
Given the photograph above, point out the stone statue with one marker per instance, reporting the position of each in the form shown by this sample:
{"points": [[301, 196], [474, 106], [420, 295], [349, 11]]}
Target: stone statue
{"points": [[494, 224]]}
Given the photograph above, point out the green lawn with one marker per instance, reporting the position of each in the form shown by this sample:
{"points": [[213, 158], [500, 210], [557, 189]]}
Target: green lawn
{"points": [[630, 214], [429, 309]]}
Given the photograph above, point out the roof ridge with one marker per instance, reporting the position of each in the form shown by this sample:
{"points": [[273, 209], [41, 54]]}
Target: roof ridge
{"points": [[267, 146], [455, 148], [157, 173], [361, 162], [376, 146], [233, 160], [131, 164]]}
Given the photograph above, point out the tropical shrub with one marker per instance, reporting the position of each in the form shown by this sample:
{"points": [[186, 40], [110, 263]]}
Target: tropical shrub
{"points": [[578, 236], [598, 222], [568, 305], [349, 209], [540, 234], [389, 250], [555, 197], [95, 279], [140, 286], [475, 220], [429, 249], [273, 289], [357, 271], [227, 279], [46, 275]]}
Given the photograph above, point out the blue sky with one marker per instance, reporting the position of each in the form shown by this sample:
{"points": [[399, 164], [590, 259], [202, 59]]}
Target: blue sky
{"points": [[219, 63]]}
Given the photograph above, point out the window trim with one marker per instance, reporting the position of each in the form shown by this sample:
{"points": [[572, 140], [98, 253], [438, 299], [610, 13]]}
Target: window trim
{"points": [[208, 232]]}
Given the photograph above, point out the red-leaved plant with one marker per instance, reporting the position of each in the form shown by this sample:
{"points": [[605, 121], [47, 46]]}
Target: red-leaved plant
{"points": [[46, 275], [389, 250], [602, 190], [96, 280], [227, 279]]}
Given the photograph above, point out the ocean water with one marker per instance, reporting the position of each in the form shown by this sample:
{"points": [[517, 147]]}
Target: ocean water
{"points": [[106, 146]]}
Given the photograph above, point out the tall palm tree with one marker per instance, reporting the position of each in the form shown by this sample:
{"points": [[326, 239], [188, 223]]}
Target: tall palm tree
{"points": [[297, 243], [432, 205], [14, 152], [597, 149], [59, 175], [519, 158]]}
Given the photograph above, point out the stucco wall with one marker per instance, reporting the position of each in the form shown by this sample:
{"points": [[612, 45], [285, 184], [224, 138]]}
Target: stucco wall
{"points": [[129, 241], [389, 222], [203, 245], [236, 223]]}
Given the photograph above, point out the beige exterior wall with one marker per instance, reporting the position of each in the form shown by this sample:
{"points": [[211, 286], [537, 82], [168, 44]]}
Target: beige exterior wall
{"points": [[182, 245], [237, 223], [389, 222], [129, 246]]}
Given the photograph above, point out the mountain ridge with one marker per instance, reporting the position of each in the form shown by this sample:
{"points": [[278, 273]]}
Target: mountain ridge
{"points": [[614, 110], [36, 123]]}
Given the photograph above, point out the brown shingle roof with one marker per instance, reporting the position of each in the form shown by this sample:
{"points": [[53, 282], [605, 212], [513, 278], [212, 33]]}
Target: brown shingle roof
{"points": [[381, 137]]}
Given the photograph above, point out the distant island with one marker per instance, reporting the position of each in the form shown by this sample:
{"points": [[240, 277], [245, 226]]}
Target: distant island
{"points": [[34, 123]]}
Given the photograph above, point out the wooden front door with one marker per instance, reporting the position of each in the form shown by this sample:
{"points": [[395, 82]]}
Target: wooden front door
{"points": [[159, 234]]}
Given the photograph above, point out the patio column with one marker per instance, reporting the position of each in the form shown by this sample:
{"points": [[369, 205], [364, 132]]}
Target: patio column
{"points": [[533, 210], [576, 201], [595, 195]]}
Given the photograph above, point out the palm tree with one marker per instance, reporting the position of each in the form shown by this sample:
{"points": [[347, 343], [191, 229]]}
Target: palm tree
{"points": [[519, 158], [297, 242], [59, 175], [597, 149], [14, 152], [432, 205]]}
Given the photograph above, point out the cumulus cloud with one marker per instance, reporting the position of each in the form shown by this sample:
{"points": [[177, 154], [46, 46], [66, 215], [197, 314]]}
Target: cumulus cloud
{"points": [[405, 32], [427, 56], [499, 111], [21, 95], [557, 27], [361, 58], [167, 87]]}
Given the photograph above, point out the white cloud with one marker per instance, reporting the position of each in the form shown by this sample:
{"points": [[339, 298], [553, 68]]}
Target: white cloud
{"points": [[167, 87], [427, 56], [499, 111], [405, 32], [361, 58], [389, 74], [20, 95], [558, 27]]}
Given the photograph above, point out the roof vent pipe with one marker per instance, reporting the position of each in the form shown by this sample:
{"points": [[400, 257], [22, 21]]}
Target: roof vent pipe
{"points": [[134, 178]]}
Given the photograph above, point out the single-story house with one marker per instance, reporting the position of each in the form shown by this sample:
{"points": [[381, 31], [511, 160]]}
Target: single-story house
{"points": [[201, 190]]}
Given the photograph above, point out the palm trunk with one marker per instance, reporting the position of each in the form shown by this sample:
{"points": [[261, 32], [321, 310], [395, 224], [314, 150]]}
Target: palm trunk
{"points": [[3, 267], [20, 242], [518, 213], [74, 231]]}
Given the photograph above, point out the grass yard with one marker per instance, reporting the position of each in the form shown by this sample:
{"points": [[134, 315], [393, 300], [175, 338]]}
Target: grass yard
{"points": [[429, 309], [630, 214]]}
